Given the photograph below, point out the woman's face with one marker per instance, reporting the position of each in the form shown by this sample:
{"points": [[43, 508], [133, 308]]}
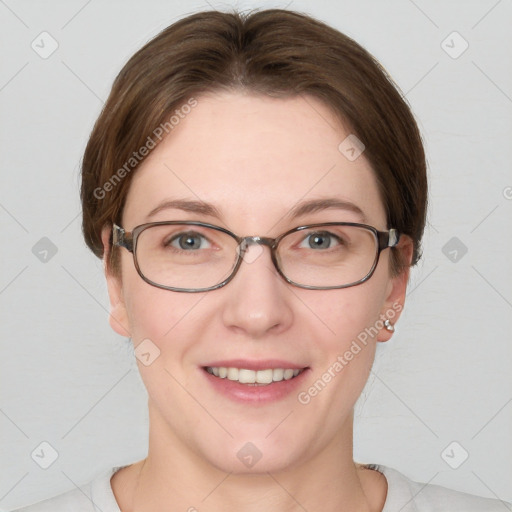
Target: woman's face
{"points": [[255, 160]]}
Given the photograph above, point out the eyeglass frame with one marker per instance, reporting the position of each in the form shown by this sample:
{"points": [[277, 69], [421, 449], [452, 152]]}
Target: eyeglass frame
{"points": [[128, 240]]}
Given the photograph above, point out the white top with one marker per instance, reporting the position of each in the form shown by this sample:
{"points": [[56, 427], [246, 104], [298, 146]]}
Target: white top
{"points": [[403, 495]]}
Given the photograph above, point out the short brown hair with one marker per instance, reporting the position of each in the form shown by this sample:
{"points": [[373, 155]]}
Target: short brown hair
{"points": [[274, 52]]}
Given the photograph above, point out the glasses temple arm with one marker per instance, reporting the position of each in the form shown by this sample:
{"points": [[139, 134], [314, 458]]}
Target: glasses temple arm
{"points": [[121, 239], [388, 238]]}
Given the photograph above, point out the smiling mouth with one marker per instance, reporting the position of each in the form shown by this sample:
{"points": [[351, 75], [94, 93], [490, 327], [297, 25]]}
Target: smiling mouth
{"points": [[254, 377]]}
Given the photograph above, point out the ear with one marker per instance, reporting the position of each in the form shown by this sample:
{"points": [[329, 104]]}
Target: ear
{"points": [[118, 317], [397, 287]]}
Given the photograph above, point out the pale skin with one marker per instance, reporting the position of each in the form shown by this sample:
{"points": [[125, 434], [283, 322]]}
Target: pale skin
{"points": [[254, 158]]}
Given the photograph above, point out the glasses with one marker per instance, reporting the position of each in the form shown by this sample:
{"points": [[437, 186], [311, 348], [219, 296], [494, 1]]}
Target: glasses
{"points": [[190, 256]]}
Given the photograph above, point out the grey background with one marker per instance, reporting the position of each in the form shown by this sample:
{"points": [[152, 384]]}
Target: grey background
{"points": [[67, 379]]}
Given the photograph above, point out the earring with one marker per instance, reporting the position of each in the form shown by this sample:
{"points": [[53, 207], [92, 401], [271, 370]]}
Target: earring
{"points": [[389, 326]]}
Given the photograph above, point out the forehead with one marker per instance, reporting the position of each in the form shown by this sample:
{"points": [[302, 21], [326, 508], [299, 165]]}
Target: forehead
{"points": [[254, 158]]}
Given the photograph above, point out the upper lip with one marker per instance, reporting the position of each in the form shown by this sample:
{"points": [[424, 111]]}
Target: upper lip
{"points": [[262, 364]]}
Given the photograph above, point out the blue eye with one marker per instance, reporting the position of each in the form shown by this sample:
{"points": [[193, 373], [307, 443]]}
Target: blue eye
{"points": [[189, 241], [320, 240]]}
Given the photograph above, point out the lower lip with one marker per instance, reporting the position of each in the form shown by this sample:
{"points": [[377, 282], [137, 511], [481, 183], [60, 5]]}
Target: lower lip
{"points": [[246, 393]]}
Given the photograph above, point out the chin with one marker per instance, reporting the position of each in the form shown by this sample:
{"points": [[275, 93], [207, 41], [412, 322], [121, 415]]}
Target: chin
{"points": [[254, 454]]}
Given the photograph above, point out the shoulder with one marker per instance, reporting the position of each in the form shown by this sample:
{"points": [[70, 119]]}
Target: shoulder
{"points": [[91, 497], [409, 496]]}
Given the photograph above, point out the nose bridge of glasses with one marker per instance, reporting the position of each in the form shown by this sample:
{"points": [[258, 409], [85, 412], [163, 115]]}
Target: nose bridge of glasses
{"points": [[259, 241], [247, 241]]}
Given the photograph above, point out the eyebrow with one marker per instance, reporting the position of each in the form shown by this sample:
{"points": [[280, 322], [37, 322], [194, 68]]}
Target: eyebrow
{"points": [[316, 205], [299, 210], [187, 205]]}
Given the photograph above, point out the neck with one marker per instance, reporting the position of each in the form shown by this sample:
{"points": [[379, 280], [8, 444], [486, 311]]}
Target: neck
{"points": [[172, 474]]}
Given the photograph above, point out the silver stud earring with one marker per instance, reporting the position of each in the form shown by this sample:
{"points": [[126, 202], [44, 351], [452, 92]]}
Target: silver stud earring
{"points": [[389, 326]]}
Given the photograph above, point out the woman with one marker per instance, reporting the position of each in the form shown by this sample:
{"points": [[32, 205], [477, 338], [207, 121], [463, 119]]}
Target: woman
{"points": [[256, 186]]}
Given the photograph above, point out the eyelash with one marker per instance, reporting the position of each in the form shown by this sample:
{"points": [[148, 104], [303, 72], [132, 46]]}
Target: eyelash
{"points": [[176, 237]]}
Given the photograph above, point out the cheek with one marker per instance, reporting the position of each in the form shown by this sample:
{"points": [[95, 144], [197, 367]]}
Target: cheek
{"points": [[347, 313], [350, 321], [165, 326], [344, 354], [156, 313]]}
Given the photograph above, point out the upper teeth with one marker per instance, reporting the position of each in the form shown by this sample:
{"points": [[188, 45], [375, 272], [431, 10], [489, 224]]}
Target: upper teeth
{"points": [[245, 376]]}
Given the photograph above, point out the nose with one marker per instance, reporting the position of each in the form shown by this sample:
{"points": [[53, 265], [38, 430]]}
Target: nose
{"points": [[257, 300]]}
